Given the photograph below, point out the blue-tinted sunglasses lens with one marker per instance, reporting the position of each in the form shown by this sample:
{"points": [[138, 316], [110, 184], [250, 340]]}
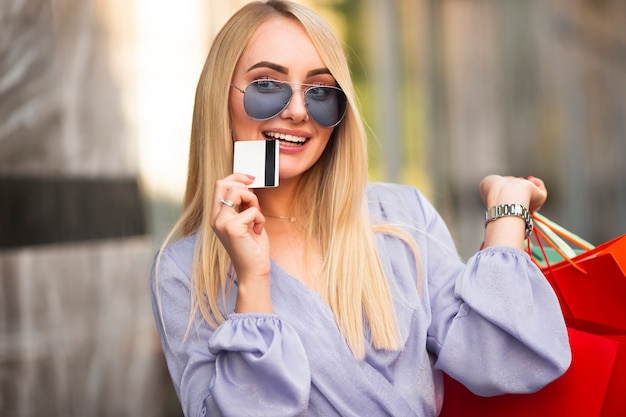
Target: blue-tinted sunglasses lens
{"points": [[326, 105], [264, 99]]}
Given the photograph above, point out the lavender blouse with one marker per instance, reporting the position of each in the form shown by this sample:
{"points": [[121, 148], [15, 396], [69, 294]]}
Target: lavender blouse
{"points": [[493, 324]]}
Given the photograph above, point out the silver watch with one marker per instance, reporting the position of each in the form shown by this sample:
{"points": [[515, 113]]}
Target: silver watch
{"points": [[503, 210]]}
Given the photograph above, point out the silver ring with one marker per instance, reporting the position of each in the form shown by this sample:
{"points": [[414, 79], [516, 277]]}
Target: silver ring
{"points": [[230, 204]]}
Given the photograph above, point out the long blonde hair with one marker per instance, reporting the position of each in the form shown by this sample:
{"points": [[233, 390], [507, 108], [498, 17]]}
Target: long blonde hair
{"points": [[332, 192]]}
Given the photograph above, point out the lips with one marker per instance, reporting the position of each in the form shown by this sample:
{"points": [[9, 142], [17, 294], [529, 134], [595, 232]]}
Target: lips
{"points": [[284, 139]]}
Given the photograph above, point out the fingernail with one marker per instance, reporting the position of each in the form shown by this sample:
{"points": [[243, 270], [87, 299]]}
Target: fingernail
{"points": [[250, 176]]}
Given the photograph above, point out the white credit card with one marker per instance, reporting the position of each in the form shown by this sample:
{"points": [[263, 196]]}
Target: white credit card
{"points": [[258, 158]]}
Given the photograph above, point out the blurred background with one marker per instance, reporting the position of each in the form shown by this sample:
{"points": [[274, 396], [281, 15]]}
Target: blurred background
{"points": [[95, 108]]}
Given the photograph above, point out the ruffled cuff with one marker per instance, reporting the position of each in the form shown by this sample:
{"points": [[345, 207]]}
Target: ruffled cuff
{"points": [[252, 332]]}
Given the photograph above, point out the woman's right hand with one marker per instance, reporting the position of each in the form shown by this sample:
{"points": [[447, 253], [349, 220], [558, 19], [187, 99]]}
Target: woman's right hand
{"points": [[245, 239]]}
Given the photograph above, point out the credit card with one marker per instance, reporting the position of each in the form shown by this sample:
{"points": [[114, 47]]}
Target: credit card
{"points": [[258, 158]]}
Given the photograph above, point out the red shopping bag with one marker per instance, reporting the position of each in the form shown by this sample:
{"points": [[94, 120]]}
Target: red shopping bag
{"points": [[589, 282], [591, 287], [592, 387]]}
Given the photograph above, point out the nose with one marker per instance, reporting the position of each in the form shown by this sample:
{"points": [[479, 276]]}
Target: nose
{"points": [[296, 110]]}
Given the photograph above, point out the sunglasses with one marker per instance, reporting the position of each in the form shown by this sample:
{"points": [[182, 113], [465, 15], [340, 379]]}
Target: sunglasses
{"points": [[264, 99]]}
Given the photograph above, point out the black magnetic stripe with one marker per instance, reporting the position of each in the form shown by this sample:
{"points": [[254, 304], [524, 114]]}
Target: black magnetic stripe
{"points": [[36, 211], [270, 162]]}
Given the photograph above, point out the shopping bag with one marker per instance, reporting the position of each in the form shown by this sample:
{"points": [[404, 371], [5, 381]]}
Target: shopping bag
{"points": [[592, 386], [590, 282]]}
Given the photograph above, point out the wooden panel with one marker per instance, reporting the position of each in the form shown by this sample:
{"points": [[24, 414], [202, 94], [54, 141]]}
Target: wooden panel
{"points": [[77, 337]]}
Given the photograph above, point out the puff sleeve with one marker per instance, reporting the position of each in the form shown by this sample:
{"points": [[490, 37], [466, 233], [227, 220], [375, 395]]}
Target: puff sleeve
{"points": [[250, 362]]}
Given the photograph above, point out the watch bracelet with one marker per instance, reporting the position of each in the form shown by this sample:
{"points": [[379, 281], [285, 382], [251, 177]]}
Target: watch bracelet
{"points": [[505, 210]]}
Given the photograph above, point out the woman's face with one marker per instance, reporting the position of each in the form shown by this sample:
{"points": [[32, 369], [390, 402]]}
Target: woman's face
{"points": [[281, 50]]}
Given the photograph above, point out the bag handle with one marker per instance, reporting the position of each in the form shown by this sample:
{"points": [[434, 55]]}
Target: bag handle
{"points": [[557, 238], [556, 230]]}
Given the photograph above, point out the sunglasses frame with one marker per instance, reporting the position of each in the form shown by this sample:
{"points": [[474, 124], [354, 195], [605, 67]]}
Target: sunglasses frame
{"points": [[293, 90]]}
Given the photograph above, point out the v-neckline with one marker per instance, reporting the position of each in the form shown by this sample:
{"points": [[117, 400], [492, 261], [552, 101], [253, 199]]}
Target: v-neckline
{"points": [[280, 270]]}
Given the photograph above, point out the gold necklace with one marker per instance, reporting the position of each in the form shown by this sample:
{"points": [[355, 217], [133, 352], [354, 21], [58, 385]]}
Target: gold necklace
{"points": [[290, 218]]}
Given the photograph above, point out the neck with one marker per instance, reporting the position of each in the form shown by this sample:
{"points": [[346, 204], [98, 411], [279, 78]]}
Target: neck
{"points": [[277, 202]]}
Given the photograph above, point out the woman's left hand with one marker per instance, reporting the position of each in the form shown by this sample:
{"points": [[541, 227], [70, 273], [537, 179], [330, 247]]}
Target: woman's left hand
{"points": [[530, 192]]}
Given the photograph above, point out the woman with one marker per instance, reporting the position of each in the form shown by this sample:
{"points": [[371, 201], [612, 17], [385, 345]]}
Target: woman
{"points": [[326, 295]]}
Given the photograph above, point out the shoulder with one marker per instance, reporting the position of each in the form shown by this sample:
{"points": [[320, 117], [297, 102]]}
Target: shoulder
{"points": [[390, 193], [397, 202], [170, 275], [178, 255]]}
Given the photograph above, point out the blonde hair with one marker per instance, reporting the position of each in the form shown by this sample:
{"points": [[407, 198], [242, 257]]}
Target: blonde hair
{"points": [[332, 192]]}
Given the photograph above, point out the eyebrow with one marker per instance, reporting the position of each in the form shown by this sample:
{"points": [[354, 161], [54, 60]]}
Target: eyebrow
{"points": [[285, 70], [270, 65]]}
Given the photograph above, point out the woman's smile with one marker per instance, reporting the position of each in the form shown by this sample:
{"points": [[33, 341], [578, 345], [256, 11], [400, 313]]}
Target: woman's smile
{"points": [[285, 139]]}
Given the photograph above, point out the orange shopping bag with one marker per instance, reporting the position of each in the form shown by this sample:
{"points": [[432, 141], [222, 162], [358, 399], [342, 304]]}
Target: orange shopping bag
{"points": [[592, 386]]}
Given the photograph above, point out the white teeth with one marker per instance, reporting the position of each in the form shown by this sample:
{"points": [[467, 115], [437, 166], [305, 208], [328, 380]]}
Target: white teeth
{"points": [[288, 138]]}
